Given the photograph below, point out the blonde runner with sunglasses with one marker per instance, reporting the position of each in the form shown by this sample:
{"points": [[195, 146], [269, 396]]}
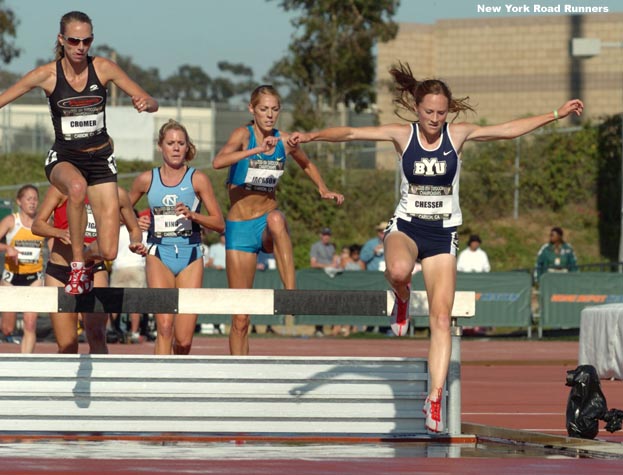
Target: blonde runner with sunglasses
{"points": [[81, 161]]}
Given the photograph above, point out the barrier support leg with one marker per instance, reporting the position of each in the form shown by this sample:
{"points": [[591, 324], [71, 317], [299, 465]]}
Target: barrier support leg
{"points": [[454, 381]]}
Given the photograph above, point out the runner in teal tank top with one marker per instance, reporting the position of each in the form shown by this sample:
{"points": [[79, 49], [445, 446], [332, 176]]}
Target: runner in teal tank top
{"points": [[256, 154]]}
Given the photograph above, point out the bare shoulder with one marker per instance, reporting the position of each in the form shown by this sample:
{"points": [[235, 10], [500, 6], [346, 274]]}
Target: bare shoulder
{"points": [[101, 62], [398, 129], [105, 68], [199, 178], [45, 70], [42, 76], [8, 220], [461, 130], [142, 182], [241, 132]]}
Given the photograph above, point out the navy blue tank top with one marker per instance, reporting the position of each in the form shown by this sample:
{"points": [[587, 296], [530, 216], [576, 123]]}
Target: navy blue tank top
{"points": [[429, 191]]}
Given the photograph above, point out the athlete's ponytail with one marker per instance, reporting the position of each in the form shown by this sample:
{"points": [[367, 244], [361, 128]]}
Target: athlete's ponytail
{"points": [[411, 92]]}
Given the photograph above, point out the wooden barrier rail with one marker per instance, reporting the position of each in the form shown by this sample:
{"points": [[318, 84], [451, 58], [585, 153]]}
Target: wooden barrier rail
{"points": [[221, 301], [234, 395]]}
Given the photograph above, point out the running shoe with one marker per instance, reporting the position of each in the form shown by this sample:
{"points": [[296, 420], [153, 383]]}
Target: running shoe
{"points": [[12, 339], [432, 410], [80, 279], [134, 337], [400, 314]]}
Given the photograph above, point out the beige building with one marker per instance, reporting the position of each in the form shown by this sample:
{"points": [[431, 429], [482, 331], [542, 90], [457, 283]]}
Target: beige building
{"points": [[510, 66]]}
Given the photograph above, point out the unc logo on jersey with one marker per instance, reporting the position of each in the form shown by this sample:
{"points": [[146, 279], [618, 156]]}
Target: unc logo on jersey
{"points": [[429, 167], [169, 200]]}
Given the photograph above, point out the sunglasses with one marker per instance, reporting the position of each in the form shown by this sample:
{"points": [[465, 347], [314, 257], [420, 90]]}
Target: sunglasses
{"points": [[76, 41]]}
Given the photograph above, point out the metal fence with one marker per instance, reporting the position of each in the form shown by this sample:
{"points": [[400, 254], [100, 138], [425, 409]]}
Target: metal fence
{"points": [[25, 126]]}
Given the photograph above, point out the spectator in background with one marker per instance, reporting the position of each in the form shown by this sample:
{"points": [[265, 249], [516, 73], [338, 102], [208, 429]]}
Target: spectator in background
{"points": [[216, 254], [372, 253], [344, 256], [322, 254], [353, 261], [349, 261], [555, 256], [265, 261], [473, 258]]}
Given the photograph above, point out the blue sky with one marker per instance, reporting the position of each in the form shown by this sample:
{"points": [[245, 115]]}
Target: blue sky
{"points": [[169, 33]]}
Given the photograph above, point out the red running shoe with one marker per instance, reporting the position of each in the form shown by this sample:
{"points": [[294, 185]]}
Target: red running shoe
{"points": [[432, 410], [399, 319], [80, 279]]}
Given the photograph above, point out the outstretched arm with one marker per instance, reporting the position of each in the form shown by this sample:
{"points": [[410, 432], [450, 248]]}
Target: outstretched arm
{"points": [[514, 128], [397, 133], [313, 173], [110, 71], [43, 77]]}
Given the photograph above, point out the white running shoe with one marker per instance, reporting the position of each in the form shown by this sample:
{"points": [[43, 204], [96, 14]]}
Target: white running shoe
{"points": [[432, 410]]}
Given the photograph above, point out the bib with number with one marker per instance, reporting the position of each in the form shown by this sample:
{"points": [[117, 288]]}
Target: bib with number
{"points": [[168, 224], [429, 202]]}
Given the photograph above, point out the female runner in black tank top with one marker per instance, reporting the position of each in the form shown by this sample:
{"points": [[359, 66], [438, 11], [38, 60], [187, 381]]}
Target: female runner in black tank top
{"points": [[81, 160]]}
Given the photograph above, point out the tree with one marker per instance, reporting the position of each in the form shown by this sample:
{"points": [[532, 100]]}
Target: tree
{"points": [[609, 185], [190, 83], [149, 79], [332, 58], [8, 24], [242, 83]]}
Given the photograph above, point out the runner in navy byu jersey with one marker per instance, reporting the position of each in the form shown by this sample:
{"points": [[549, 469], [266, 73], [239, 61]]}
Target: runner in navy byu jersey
{"points": [[425, 221], [81, 161]]}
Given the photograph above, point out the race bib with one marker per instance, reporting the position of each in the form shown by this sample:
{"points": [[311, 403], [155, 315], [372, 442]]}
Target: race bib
{"points": [[91, 230], [28, 252], [429, 202], [83, 125], [263, 175], [168, 224]]}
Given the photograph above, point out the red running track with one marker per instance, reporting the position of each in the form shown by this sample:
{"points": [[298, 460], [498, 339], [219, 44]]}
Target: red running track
{"points": [[506, 383]]}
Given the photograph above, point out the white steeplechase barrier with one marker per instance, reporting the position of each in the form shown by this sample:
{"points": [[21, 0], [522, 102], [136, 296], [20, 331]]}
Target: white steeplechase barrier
{"points": [[83, 394]]}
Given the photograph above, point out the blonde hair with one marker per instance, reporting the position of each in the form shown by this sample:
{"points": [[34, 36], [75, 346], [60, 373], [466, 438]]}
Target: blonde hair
{"points": [[66, 19], [263, 89], [175, 125], [411, 92]]}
